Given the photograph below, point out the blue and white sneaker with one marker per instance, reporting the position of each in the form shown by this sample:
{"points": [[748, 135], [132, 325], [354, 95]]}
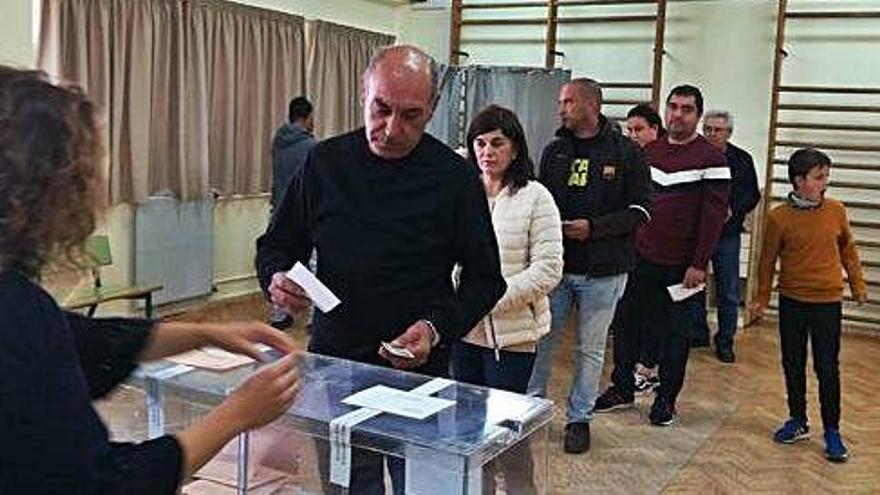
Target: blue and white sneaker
{"points": [[792, 431], [835, 450]]}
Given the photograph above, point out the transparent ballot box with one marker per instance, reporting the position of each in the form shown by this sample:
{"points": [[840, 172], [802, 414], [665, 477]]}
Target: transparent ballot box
{"points": [[355, 427]]}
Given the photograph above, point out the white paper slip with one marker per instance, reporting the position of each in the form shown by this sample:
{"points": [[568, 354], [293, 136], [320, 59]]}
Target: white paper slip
{"points": [[399, 402], [398, 351], [678, 292], [319, 293], [432, 387]]}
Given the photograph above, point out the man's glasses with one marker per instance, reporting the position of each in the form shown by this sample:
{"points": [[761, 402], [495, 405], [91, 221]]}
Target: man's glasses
{"points": [[708, 129]]}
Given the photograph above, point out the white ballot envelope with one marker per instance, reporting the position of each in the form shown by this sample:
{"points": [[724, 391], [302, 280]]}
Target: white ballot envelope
{"points": [[319, 293], [679, 293], [399, 402]]}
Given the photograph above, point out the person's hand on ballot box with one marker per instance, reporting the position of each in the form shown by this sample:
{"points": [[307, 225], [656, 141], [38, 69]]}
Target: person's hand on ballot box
{"points": [[242, 337]]}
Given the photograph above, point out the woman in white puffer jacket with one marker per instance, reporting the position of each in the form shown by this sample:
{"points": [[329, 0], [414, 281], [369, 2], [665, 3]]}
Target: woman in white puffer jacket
{"points": [[500, 351]]}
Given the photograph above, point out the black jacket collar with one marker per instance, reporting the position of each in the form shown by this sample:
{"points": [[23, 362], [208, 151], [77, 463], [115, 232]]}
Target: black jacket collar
{"points": [[605, 130]]}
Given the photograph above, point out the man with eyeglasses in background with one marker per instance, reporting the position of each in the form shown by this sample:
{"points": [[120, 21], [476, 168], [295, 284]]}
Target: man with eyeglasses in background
{"points": [[744, 197]]}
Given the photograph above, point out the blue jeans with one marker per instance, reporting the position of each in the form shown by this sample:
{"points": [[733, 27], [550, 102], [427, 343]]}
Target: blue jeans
{"points": [[596, 299], [725, 264]]}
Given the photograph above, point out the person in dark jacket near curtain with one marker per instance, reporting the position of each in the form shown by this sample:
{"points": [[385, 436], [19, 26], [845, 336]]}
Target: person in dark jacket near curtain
{"points": [[292, 144], [390, 211], [53, 363], [602, 187], [744, 197]]}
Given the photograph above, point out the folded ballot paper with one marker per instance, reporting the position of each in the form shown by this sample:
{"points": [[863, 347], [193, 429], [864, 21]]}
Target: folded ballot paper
{"points": [[319, 293], [678, 292]]}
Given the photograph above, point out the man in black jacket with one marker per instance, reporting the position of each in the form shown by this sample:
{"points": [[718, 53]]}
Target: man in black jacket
{"points": [[390, 210], [602, 187], [744, 197]]}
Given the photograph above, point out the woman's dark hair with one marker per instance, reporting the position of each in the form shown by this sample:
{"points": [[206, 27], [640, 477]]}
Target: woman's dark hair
{"points": [[803, 160], [495, 117], [650, 115], [50, 151]]}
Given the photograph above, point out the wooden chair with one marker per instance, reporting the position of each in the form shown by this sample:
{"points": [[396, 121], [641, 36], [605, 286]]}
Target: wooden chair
{"points": [[98, 249]]}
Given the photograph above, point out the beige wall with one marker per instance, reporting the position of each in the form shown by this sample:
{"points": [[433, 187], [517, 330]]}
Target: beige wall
{"points": [[372, 15], [725, 47], [16, 33]]}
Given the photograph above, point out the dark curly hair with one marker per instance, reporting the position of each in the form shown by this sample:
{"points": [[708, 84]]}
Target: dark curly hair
{"points": [[50, 151], [496, 117]]}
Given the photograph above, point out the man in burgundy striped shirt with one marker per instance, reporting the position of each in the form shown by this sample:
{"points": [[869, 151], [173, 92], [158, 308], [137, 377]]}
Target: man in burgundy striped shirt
{"points": [[691, 186]]}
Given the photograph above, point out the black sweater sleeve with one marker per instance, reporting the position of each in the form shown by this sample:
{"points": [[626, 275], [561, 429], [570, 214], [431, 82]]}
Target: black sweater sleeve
{"points": [[52, 440], [476, 252], [108, 348], [287, 239]]}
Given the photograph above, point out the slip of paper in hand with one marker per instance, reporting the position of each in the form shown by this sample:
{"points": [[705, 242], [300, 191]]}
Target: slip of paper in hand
{"points": [[319, 293], [678, 292]]}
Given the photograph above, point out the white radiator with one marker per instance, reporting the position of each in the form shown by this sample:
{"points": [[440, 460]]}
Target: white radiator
{"points": [[174, 246]]}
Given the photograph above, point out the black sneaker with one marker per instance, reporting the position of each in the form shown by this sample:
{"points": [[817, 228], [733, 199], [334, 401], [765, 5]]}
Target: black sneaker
{"points": [[577, 438], [725, 354], [662, 412], [613, 398]]}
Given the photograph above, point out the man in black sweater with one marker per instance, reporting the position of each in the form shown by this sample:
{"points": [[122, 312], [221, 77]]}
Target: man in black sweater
{"points": [[744, 197], [390, 211]]}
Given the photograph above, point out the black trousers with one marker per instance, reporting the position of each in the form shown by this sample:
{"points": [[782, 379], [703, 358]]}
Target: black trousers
{"points": [[652, 318], [820, 322]]}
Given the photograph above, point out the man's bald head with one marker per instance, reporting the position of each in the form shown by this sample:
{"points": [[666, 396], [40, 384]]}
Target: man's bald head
{"points": [[398, 91], [406, 62]]}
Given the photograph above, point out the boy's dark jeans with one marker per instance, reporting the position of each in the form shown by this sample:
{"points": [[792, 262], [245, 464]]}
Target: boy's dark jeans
{"points": [[821, 323]]}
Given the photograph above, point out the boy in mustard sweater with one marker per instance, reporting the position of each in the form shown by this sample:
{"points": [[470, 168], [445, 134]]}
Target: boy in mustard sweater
{"points": [[811, 235]]}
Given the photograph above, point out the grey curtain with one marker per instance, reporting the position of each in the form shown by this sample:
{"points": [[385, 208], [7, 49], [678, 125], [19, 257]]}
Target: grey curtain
{"points": [[530, 92], [445, 125]]}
